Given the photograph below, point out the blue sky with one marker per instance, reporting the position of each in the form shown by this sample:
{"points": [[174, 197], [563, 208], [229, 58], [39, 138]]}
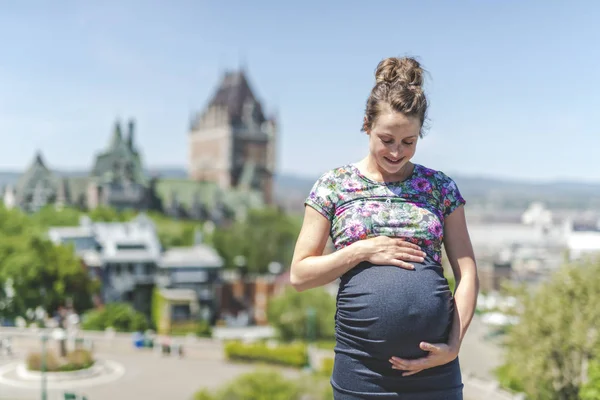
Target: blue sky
{"points": [[514, 85]]}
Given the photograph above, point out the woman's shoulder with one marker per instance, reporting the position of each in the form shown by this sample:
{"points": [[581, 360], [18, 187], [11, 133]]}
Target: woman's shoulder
{"points": [[337, 175], [434, 174]]}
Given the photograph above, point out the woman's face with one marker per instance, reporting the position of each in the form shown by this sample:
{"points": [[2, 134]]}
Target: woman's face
{"points": [[393, 141]]}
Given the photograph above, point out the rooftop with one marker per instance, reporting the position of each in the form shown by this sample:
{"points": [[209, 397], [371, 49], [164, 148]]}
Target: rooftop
{"points": [[199, 255]]}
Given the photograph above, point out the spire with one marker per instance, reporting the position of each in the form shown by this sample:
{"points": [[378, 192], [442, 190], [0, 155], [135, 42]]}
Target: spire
{"points": [[243, 62], [131, 133], [117, 137], [39, 160]]}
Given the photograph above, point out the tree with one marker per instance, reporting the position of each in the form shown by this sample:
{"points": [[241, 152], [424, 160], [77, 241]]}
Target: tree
{"points": [[120, 316], [557, 333], [33, 271], [266, 235], [288, 314], [42, 274], [49, 216]]}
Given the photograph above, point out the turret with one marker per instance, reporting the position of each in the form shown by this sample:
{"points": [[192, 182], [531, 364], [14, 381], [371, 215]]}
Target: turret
{"points": [[130, 134]]}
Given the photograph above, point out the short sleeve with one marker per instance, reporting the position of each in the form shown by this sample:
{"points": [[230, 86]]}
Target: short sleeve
{"points": [[322, 196], [451, 196]]}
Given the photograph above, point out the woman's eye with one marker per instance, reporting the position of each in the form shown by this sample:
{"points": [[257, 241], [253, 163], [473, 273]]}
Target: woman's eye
{"points": [[387, 141], [409, 144]]}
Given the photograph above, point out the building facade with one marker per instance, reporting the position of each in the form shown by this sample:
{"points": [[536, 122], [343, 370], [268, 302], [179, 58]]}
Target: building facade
{"points": [[128, 259], [118, 180], [232, 142]]}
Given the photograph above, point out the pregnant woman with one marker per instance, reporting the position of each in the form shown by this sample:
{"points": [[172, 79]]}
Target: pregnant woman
{"points": [[398, 325]]}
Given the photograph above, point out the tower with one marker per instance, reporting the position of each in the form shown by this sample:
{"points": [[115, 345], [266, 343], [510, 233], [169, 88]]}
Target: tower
{"points": [[232, 140]]}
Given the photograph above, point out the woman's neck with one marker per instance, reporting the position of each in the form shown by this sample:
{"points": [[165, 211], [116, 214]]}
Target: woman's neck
{"points": [[371, 170]]}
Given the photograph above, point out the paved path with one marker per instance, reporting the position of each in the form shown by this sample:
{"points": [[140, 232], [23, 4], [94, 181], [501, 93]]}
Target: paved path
{"points": [[149, 377], [479, 355]]}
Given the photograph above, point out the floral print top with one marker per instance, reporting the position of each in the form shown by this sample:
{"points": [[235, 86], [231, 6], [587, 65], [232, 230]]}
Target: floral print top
{"points": [[360, 208]]}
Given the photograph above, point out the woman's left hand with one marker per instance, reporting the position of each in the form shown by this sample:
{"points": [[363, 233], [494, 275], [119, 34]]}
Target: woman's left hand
{"points": [[439, 354]]}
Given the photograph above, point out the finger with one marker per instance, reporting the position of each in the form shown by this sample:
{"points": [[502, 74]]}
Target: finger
{"points": [[412, 372], [405, 365], [430, 347], [404, 243], [410, 248], [410, 257], [412, 365], [402, 264]]}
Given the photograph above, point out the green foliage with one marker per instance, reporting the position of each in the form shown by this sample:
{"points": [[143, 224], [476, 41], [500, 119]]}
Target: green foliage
{"points": [[50, 216], [107, 214], [509, 378], [265, 236], [270, 385], [203, 329], [288, 314], [591, 389], [556, 335], [120, 316], [198, 328], [41, 273], [326, 367], [293, 355]]}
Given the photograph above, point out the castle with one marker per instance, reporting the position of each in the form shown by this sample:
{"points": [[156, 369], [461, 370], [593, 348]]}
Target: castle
{"points": [[230, 168], [232, 142]]}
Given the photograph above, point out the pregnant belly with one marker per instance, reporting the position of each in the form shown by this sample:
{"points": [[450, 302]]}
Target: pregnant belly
{"points": [[385, 311]]}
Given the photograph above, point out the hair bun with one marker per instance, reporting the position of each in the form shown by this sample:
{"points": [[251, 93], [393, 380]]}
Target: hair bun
{"points": [[404, 71]]}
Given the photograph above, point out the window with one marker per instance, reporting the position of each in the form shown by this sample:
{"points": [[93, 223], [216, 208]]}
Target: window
{"points": [[131, 246]]}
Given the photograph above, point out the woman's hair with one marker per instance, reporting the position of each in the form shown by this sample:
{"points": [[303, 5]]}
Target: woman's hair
{"points": [[398, 87]]}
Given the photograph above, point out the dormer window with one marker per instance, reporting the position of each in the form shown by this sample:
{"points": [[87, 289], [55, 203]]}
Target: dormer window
{"points": [[249, 110]]}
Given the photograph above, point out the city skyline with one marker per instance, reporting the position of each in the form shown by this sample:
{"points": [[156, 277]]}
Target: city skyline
{"points": [[513, 81]]}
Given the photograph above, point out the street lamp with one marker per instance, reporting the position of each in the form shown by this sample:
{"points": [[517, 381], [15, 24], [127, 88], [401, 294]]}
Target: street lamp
{"points": [[43, 367], [311, 325]]}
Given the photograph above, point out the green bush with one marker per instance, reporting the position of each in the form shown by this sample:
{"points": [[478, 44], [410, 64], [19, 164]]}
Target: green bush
{"points": [[120, 316], [288, 313], [75, 361], [293, 355], [203, 329], [325, 344], [270, 385], [198, 328]]}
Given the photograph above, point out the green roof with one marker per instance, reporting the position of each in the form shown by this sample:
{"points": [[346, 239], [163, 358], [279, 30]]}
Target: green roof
{"points": [[36, 171], [207, 193]]}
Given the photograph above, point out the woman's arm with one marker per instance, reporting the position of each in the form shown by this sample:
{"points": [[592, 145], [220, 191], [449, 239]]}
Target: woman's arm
{"points": [[462, 260], [310, 268]]}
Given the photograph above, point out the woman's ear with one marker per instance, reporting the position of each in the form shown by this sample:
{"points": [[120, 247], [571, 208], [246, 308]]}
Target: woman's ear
{"points": [[366, 126]]}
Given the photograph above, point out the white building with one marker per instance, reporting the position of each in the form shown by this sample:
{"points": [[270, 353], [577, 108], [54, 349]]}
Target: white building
{"points": [[130, 262], [583, 240]]}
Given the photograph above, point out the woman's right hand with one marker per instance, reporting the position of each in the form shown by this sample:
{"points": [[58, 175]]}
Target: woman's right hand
{"points": [[384, 250]]}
